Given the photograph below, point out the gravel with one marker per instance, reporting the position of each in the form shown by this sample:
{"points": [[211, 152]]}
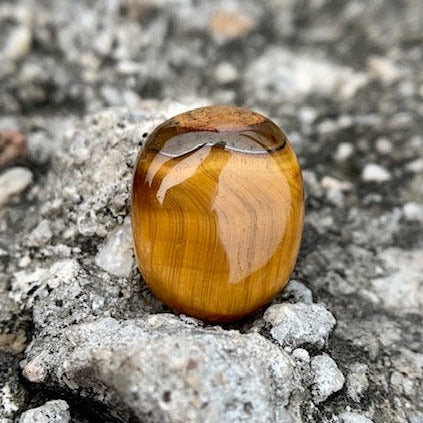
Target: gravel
{"points": [[327, 377], [81, 86], [300, 323]]}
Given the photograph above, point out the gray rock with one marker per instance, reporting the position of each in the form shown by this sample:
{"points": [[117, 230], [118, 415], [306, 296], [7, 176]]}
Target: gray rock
{"points": [[294, 76], [413, 211], [300, 323], [161, 369], [116, 255], [298, 292], [401, 287], [375, 173], [51, 412], [14, 181], [350, 417], [327, 377], [357, 381]]}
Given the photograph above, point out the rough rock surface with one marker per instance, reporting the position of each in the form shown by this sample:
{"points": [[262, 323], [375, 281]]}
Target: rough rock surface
{"points": [[164, 369], [51, 412], [76, 321], [299, 324]]}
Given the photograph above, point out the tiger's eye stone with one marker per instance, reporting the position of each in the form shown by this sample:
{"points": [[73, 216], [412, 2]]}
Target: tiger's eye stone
{"points": [[217, 212]]}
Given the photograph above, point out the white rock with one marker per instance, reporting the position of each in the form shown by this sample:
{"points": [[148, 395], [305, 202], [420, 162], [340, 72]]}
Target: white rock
{"points": [[301, 354], [332, 183], [13, 181], [25, 261], [296, 75], [373, 172], [383, 145], [344, 151], [349, 417], [413, 211], [307, 115], [51, 412], [328, 126], [357, 382], [298, 291], [225, 73], [311, 183], [383, 69], [115, 256], [416, 166], [18, 43], [334, 189], [42, 232], [402, 288], [300, 323], [327, 377], [7, 401]]}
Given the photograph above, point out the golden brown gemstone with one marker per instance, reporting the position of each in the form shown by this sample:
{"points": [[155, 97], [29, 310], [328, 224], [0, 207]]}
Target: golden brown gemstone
{"points": [[217, 212]]}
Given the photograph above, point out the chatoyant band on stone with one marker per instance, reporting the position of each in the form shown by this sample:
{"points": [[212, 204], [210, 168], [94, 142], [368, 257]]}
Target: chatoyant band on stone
{"points": [[217, 212]]}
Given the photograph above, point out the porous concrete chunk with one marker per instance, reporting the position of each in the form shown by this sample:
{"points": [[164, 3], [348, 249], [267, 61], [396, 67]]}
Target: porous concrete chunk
{"points": [[357, 381], [51, 412], [327, 377], [300, 323], [116, 255], [170, 370], [13, 181]]}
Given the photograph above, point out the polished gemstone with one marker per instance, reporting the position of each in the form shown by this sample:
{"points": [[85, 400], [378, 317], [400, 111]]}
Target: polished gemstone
{"points": [[217, 212]]}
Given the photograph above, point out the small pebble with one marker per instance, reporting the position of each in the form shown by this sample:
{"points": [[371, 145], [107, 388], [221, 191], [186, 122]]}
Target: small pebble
{"points": [[413, 211], [383, 69], [13, 181], [383, 145], [416, 166], [115, 256], [18, 44], [343, 152], [307, 115], [357, 381], [229, 25], [13, 147], [301, 354], [300, 323], [226, 73], [375, 173], [327, 377]]}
